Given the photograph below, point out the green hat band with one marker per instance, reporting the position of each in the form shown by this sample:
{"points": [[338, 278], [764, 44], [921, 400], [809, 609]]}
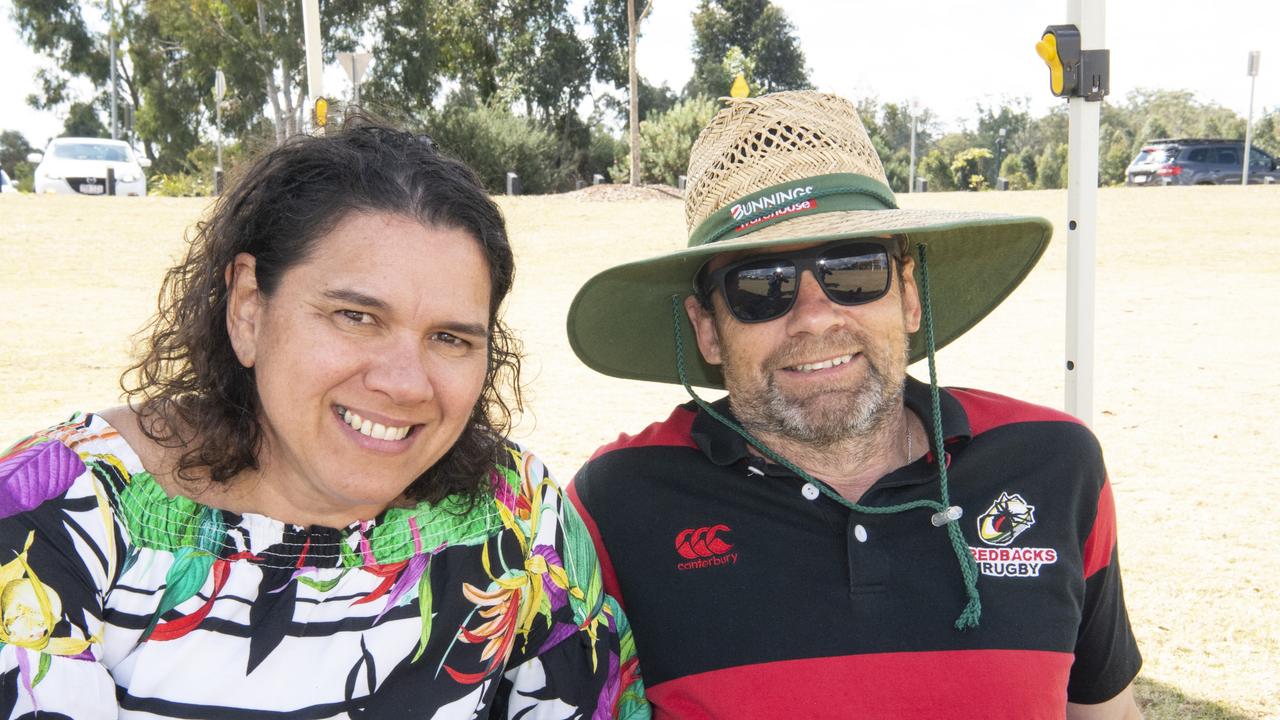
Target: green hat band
{"points": [[837, 192]]}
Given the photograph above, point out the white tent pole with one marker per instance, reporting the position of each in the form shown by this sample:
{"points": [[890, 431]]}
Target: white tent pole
{"points": [[1082, 216]]}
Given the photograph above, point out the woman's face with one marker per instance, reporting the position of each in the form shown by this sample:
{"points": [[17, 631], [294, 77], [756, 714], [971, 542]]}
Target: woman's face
{"points": [[368, 358]]}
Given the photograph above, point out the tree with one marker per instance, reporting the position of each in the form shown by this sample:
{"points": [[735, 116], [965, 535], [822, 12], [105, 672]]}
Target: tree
{"points": [[764, 35], [970, 168], [666, 140], [82, 121], [1051, 168]]}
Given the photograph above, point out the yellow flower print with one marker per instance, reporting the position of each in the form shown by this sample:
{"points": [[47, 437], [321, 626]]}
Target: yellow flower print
{"points": [[29, 609]]}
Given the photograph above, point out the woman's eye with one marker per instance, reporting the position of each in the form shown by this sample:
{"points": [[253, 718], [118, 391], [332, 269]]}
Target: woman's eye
{"points": [[356, 316]]}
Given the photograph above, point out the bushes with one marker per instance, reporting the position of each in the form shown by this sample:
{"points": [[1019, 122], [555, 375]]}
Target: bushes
{"points": [[180, 184], [970, 167], [494, 142], [665, 142]]}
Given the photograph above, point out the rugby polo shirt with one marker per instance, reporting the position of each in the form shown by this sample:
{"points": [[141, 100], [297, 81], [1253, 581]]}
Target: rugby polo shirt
{"points": [[753, 596]]}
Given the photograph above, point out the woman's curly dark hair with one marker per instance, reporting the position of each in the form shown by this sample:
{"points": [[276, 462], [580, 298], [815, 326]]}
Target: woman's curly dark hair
{"points": [[188, 386]]}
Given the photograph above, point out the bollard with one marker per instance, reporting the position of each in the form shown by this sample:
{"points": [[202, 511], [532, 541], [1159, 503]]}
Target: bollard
{"points": [[111, 181], [1002, 184], [922, 185], [596, 179], [513, 184], [217, 181], [681, 181]]}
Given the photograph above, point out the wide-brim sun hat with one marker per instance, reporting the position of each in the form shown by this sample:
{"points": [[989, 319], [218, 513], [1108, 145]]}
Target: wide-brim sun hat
{"points": [[785, 169]]}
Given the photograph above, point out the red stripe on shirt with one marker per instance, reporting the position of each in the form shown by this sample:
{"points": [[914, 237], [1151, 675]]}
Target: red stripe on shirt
{"points": [[1102, 538], [989, 410], [607, 574], [1024, 684], [674, 431]]}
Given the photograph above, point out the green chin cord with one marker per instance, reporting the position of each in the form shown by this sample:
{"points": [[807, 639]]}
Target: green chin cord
{"points": [[945, 514]]}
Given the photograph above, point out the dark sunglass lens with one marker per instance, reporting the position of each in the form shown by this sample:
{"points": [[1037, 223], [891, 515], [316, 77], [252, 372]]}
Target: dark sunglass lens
{"points": [[856, 274], [760, 290]]}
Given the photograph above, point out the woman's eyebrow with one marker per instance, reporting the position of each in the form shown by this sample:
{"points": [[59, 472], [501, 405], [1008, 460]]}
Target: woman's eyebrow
{"points": [[361, 299]]}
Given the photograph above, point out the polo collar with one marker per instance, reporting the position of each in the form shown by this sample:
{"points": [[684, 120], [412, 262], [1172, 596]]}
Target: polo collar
{"points": [[722, 446]]}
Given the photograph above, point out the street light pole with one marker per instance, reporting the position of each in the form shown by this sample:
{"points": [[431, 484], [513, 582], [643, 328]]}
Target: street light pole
{"points": [[999, 153], [911, 174], [1255, 57]]}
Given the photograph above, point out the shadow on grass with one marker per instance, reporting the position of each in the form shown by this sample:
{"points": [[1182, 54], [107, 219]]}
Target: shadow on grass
{"points": [[1166, 702]]}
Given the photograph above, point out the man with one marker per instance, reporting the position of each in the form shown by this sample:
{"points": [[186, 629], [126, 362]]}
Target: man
{"points": [[835, 539]]}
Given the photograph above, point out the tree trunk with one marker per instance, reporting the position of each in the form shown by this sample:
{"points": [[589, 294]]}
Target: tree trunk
{"points": [[272, 91], [634, 85]]}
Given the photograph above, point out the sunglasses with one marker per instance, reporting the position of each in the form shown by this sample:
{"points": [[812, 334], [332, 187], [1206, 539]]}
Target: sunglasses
{"points": [[764, 287]]}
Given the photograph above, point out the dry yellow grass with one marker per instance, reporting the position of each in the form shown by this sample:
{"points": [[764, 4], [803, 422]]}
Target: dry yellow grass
{"points": [[1186, 388]]}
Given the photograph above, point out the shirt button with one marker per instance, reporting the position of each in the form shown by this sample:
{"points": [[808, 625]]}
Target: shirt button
{"points": [[860, 533], [810, 491]]}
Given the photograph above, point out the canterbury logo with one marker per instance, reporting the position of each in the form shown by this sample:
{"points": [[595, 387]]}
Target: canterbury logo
{"points": [[704, 542]]}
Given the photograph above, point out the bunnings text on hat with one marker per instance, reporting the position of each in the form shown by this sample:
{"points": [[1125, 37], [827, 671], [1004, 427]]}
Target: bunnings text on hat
{"points": [[750, 207]]}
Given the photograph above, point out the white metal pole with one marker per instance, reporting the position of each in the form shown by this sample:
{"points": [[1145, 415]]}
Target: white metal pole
{"points": [[111, 39], [1082, 215], [315, 66], [911, 175], [1248, 128]]}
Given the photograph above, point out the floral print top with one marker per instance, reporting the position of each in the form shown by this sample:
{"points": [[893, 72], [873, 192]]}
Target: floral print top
{"points": [[119, 601]]}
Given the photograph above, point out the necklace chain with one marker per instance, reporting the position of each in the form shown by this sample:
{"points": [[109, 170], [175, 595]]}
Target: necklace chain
{"points": [[908, 424]]}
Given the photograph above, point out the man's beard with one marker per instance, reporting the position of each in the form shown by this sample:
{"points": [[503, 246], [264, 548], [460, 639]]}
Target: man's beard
{"points": [[828, 415]]}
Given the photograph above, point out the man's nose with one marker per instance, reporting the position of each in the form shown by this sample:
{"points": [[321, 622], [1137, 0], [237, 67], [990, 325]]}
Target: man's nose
{"points": [[813, 311]]}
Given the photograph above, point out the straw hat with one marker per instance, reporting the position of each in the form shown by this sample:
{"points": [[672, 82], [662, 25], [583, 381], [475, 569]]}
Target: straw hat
{"points": [[787, 168]]}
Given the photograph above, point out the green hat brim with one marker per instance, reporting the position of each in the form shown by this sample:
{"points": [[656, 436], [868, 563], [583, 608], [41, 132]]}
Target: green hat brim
{"points": [[620, 322]]}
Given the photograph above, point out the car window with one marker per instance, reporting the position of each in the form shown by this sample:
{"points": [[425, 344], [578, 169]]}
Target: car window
{"points": [[1258, 158], [90, 151], [1155, 154], [1198, 155], [1226, 156]]}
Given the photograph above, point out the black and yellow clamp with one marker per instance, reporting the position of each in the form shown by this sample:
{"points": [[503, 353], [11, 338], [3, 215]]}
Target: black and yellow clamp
{"points": [[1074, 72]]}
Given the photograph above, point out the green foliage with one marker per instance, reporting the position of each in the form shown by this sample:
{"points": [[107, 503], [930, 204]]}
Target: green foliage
{"points": [[1051, 167], [764, 35], [189, 184], [603, 152], [82, 121], [889, 126], [493, 141], [1011, 171], [665, 141], [970, 168], [936, 168], [653, 100], [14, 149]]}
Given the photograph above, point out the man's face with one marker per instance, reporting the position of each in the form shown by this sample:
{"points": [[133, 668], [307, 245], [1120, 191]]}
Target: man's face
{"points": [[821, 373]]}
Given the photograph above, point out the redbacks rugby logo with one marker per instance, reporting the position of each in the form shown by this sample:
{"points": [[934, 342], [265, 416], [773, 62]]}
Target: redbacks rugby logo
{"points": [[1007, 518], [704, 547]]}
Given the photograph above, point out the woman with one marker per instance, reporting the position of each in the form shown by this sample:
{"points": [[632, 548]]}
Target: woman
{"points": [[307, 508]]}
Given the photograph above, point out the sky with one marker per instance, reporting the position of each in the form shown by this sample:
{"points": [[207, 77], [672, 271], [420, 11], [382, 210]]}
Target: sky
{"points": [[948, 55]]}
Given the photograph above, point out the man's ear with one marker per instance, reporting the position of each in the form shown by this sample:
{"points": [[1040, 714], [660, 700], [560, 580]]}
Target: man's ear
{"points": [[244, 307], [704, 326], [910, 295]]}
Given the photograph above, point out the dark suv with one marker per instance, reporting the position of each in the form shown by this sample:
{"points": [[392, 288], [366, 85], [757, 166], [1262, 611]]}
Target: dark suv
{"points": [[1193, 161]]}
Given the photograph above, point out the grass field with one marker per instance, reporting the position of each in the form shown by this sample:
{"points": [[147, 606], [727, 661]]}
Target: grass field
{"points": [[1186, 378]]}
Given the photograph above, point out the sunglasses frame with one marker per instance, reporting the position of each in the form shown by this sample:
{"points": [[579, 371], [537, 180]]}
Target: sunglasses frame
{"points": [[807, 259]]}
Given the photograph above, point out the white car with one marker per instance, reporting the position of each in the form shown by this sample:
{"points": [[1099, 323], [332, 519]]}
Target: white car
{"points": [[6, 185], [79, 166]]}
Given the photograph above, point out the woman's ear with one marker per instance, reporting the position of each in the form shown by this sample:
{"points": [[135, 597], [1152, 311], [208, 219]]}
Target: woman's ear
{"points": [[244, 307]]}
